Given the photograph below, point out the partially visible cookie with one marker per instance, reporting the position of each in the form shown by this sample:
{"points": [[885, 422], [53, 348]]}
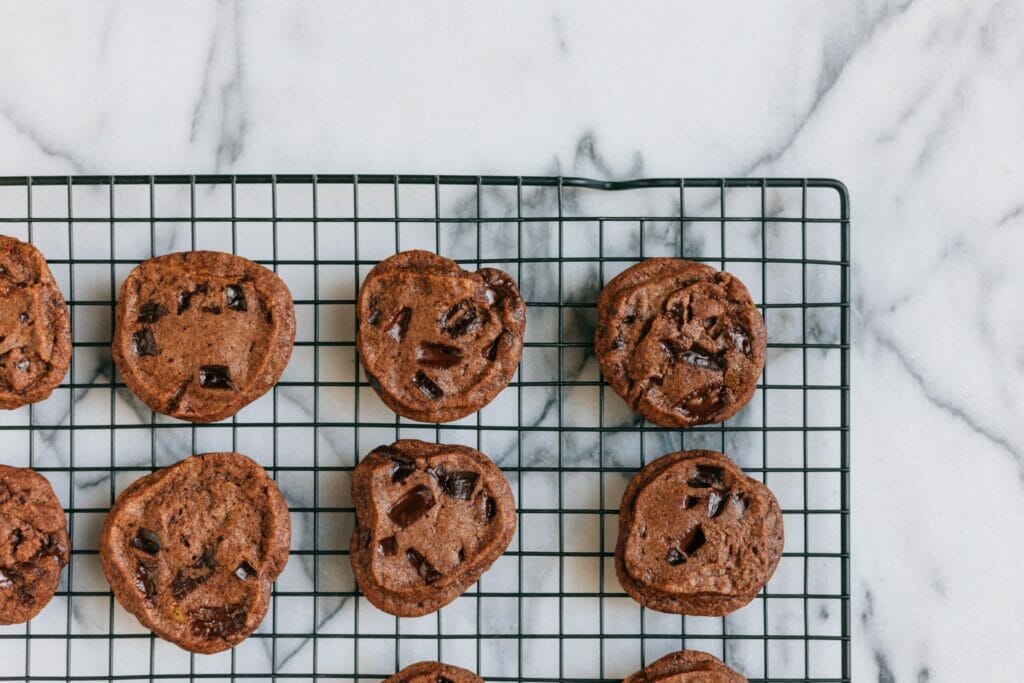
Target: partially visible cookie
{"points": [[34, 543], [687, 666], [193, 550], [430, 519], [696, 535], [681, 342], [434, 672], [35, 328], [201, 334], [438, 342]]}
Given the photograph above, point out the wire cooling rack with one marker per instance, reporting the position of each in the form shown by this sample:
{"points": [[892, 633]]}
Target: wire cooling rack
{"points": [[550, 608]]}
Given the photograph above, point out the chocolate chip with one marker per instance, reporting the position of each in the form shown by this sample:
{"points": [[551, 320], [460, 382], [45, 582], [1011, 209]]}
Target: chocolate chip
{"points": [[144, 582], [217, 622], [412, 506], [244, 571], [690, 501], [235, 297], [704, 402], [399, 324], [692, 541], [427, 571], [708, 476], [23, 318], [491, 353], [444, 679], [374, 317], [427, 386], [674, 557], [5, 580], [714, 504], [490, 508], [740, 340], [211, 309], [143, 343], [458, 485], [433, 355], [389, 546], [404, 466], [146, 541], [151, 311], [215, 377], [184, 301], [703, 361], [460, 319]]}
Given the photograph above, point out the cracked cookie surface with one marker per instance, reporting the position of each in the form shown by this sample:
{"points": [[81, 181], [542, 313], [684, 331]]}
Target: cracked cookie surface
{"points": [[687, 666], [34, 543], [696, 535], [434, 672], [192, 550], [680, 342], [430, 519], [202, 334], [35, 328], [438, 342]]}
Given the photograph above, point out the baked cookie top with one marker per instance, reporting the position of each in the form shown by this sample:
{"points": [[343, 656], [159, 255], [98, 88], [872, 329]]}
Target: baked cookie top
{"points": [[34, 543], [434, 672], [438, 342], [430, 519], [681, 342], [201, 334], [193, 549], [35, 328], [696, 535], [687, 666]]}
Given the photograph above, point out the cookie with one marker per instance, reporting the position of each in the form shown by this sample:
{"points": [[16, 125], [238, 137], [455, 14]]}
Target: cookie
{"points": [[34, 543], [430, 519], [35, 328], [438, 342], [192, 550], [681, 342], [696, 535], [201, 334], [687, 666], [434, 672]]}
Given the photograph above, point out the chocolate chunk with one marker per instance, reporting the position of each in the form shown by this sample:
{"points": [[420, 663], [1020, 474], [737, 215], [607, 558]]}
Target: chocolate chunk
{"points": [[374, 317], [738, 502], [690, 501], [23, 317], [5, 580], [490, 508], [217, 622], [244, 570], [144, 582], [403, 467], [692, 541], [714, 504], [143, 343], [146, 541], [704, 362], [674, 557], [427, 386], [215, 310], [427, 571], [458, 485], [184, 301], [389, 546], [215, 377], [150, 312], [235, 298], [708, 476], [491, 353], [740, 340], [399, 324], [23, 365], [460, 319], [188, 579], [433, 355], [412, 506]]}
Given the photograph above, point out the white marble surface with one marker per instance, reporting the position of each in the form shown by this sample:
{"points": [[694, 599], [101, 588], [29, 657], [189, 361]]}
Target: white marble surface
{"points": [[916, 106]]}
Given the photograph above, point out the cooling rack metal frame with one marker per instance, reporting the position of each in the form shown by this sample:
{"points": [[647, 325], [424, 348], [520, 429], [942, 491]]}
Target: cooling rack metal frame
{"points": [[561, 237]]}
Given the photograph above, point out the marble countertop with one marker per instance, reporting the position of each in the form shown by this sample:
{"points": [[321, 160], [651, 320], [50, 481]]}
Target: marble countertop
{"points": [[916, 106]]}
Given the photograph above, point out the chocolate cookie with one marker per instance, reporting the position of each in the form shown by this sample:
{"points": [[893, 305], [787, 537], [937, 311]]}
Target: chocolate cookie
{"points": [[696, 535], [34, 543], [434, 672], [193, 550], [201, 334], [681, 342], [438, 342], [430, 519], [35, 329], [687, 666]]}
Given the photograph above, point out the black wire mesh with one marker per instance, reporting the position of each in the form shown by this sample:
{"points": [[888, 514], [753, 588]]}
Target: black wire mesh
{"points": [[551, 608]]}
